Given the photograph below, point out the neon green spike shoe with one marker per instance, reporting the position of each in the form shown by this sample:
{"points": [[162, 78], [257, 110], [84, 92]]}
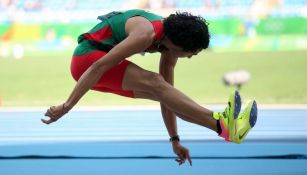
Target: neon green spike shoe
{"points": [[227, 118], [245, 122]]}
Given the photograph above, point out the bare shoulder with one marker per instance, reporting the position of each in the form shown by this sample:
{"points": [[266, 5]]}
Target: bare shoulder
{"points": [[140, 26]]}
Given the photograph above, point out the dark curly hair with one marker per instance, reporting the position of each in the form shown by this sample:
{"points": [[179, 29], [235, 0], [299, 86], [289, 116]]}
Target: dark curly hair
{"points": [[187, 31]]}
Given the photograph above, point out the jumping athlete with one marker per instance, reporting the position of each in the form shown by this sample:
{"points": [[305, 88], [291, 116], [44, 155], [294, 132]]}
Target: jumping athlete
{"points": [[99, 63]]}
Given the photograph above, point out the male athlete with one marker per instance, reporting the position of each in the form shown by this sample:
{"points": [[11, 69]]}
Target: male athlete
{"points": [[99, 63]]}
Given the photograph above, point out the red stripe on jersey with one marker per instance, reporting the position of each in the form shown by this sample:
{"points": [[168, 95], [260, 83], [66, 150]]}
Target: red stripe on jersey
{"points": [[99, 35], [158, 28]]}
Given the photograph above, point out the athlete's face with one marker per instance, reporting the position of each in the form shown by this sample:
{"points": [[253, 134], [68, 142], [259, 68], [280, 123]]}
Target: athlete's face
{"points": [[176, 51]]}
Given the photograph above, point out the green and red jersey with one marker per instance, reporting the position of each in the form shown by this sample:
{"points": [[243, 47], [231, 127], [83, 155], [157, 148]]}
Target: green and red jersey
{"points": [[111, 30]]}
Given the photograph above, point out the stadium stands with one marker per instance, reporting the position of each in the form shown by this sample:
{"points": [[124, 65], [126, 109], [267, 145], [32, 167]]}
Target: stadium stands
{"points": [[254, 23], [211, 8]]}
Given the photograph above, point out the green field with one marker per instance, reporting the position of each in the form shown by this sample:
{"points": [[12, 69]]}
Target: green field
{"points": [[276, 78]]}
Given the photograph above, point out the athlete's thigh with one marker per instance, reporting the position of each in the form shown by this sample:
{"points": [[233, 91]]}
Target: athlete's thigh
{"points": [[137, 79]]}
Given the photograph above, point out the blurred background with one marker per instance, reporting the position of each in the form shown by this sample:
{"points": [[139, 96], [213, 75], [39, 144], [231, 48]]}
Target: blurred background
{"points": [[257, 46], [264, 39]]}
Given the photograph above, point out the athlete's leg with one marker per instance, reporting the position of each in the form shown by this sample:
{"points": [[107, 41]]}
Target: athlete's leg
{"points": [[140, 80], [233, 127], [146, 95], [111, 81]]}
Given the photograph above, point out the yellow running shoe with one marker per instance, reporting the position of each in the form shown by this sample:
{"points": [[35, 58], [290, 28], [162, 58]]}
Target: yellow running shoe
{"points": [[245, 122], [228, 116]]}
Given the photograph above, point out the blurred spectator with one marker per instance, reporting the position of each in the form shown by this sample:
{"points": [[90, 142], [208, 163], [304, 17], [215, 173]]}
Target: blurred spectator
{"points": [[262, 9], [6, 4], [155, 4], [210, 8], [231, 19], [71, 4], [169, 3], [32, 5]]}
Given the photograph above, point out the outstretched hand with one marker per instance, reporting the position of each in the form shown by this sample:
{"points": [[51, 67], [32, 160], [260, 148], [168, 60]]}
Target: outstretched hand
{"points": [[54, 113], [182, 153]]}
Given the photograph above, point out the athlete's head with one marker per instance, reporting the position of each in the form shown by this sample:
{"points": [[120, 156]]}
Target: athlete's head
{"points": [[186, 31]]}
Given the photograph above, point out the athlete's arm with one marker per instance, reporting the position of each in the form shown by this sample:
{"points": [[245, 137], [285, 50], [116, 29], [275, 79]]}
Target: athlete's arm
{"points": [[140, 36], [166, 69]]}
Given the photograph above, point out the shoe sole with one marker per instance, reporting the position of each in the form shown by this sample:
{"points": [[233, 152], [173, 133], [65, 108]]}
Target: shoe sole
{"points": [[237, 103], [253, 115], [252, 121]]}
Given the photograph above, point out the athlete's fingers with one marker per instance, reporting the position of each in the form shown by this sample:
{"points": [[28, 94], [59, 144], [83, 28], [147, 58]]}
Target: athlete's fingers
{"points": [[180, 161], [49, 112], [51, 116], [189, 158], [50, 120], [181, 158], [182, 154], [186, 155], [47, 121]]}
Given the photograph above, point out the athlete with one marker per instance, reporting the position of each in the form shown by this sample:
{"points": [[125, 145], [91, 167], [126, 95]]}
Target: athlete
{"points": [[99, 63]]}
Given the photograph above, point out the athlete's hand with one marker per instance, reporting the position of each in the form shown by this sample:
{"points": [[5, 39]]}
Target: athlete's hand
{"points": [[182, 153], [54, 113]]}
